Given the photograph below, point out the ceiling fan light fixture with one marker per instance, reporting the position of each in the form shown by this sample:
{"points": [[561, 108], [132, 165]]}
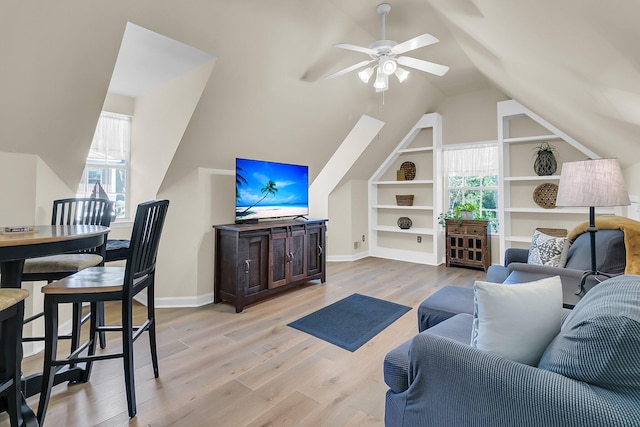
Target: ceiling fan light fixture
{"points": [[365, 74], [388, 66], [381, 81], [402, 74]]}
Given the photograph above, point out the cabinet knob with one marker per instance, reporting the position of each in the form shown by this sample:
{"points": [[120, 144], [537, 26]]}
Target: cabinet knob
{"points": [[247, 262], [319, 250]]}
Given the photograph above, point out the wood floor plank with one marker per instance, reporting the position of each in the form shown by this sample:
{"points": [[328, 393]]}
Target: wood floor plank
{"points": [[221, 368]]}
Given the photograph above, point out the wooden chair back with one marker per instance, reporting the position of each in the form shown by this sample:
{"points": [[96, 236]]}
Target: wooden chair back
{"points": [[145, 238], [82, 211]]}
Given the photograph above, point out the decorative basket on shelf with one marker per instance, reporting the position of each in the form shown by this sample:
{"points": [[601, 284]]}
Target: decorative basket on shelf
{"points": [[545, 195], [545, 163], [404, 222], [409, 169], [404, 199]]}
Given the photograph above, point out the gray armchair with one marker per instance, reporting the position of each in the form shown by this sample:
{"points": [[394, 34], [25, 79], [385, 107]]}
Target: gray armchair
{"points": [[438, 379]]}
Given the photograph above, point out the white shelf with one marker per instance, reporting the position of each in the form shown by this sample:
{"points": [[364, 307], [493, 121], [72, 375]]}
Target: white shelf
{"points": [[532, 178], [559, 210], [415, 150], [396, 229], [389, 240], [420, 208], [536, 138], [413, 182]]}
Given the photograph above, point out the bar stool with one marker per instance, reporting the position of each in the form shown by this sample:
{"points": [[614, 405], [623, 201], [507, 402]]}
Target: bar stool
{"points": [[11, 398], [100, 284]]}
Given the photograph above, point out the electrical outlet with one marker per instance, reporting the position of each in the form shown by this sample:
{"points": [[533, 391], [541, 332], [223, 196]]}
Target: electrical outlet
{"points": [[363, 237], [419, 239]]}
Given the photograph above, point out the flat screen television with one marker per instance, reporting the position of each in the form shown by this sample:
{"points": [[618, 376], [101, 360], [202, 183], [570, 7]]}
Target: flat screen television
{"points": [[267, 190]]}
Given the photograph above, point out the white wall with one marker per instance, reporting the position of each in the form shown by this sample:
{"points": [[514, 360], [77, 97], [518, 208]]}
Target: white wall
{"points": [[202, 198]]}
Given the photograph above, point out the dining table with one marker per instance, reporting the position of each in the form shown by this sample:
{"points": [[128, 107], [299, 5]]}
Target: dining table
{"points": [[38, 241]]}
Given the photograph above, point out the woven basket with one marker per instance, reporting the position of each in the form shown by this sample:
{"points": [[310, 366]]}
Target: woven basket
{"points": [[409, 169], [405, 222], [404, 199], [545, 195]]}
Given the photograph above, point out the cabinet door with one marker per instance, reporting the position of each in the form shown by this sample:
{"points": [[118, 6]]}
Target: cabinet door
{"points": [[475, 250], [278, 257], [456, 247], [253, 253], [297, 254], [315, 240]]}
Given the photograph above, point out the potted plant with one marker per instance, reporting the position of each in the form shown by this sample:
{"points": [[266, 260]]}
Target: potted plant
{"points": [[466, 210], [545, 163], [459, 212]]}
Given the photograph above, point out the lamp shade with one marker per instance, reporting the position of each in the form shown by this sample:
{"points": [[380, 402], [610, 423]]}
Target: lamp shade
{"points": [[588, 183]]}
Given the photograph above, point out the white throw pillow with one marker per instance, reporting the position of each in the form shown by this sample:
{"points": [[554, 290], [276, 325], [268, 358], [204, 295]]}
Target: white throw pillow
{"points": [[548, 250], [519, 321]]}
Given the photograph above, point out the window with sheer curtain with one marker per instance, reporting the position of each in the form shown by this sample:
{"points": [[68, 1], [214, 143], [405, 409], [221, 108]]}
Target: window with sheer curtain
{"points": [[107, 168], [471, 176]]}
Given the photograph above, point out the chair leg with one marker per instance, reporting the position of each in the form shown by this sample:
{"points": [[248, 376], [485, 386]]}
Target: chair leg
{"points": [[152, 330], [127, 350], [11, 333], [76, 327], [50, 350], [93, 336], [100, 316]]}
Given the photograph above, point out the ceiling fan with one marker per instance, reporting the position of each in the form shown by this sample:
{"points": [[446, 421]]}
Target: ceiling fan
{"points": [[385, 53]]}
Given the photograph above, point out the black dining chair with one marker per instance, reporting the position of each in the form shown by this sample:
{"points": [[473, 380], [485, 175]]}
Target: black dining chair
{"points": [[100, 284], [71, 211], [11, 398]]}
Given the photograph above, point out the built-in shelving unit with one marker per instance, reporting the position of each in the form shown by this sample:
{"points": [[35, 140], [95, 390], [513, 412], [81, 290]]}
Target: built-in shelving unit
{"points": [[520, 131], [421, 146]]}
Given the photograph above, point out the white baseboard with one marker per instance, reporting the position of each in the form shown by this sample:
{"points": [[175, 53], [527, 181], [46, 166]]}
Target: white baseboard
{"points": [[347, 258], [178, 302]]}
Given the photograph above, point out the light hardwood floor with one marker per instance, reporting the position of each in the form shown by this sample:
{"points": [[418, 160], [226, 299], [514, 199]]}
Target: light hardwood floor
{"points": [[219, 368]]}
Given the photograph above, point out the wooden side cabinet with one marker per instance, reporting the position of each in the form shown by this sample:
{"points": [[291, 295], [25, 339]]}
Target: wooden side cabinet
{"points": [[468, 243], [254, 261]]}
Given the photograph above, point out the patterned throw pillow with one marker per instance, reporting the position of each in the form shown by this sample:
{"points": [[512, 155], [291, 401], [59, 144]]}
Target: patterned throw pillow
{"points": [[548, 250]]}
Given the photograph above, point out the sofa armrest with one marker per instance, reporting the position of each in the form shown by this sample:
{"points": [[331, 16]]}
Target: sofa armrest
{"points": [[451, 383], [545, 270], [515, 255]]}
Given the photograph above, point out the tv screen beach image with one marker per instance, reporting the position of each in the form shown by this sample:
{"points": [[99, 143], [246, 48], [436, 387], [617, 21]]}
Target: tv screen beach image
{"points": [[270, 190]]}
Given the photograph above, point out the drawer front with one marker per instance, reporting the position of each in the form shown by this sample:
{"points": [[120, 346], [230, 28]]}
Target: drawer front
{"points": [[479, 231]]}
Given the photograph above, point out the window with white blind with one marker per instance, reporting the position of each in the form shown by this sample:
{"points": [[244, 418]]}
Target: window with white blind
{"points": [[106, 172]]}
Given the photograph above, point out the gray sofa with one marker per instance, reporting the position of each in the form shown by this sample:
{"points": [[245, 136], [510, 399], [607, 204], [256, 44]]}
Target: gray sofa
{"points": [[611, 258], [438, 379]]}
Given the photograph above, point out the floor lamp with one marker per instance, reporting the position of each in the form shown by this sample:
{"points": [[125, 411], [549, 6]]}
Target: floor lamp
{"points": [[592, 183]]}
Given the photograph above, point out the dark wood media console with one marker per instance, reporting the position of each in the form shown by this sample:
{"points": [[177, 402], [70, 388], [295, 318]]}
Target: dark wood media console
{"points": [[254, 261]]}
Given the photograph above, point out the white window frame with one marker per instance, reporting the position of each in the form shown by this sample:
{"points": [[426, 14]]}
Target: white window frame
{"points": [[120, 163], [475, 165]]}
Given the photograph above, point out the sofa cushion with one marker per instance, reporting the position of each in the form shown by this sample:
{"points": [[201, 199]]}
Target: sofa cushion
{"points": [[517, 322], [610, 252], [548, 250], [600, 340], [446, 302]]}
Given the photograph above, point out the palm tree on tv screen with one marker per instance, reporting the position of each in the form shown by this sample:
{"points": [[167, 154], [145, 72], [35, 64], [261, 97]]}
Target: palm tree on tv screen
{"points": [[240, 179], [270, 189]]}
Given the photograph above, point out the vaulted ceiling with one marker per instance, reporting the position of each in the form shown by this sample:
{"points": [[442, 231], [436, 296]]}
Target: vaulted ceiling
{"points": [[574, 62]]}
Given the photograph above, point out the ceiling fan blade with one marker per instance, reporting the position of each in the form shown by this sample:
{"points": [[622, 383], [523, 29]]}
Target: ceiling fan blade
{"points": [[419, 64], [414, 43], [356, 48], [348, 69]]}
